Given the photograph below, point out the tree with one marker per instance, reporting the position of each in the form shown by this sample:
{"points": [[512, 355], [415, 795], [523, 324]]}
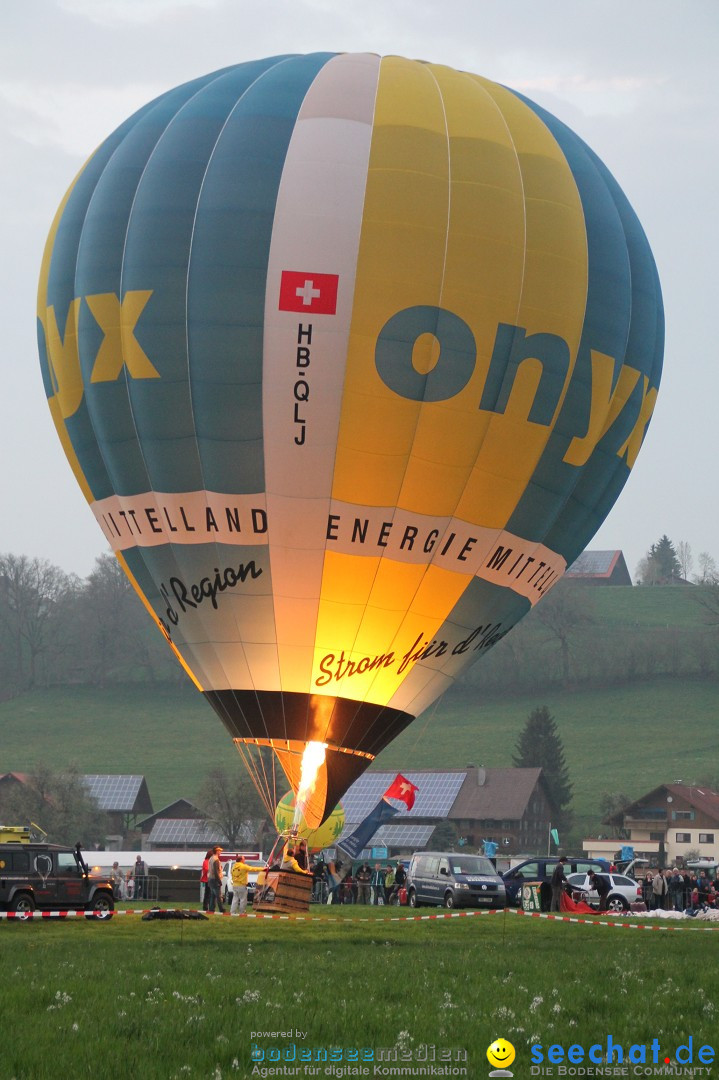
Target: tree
{"points": [[231, 802], [34, 600], [567, 607], [59, 802], [539, 745], [612, 803], [119, 636], [708, 574], [686, 559], [660, 566]]}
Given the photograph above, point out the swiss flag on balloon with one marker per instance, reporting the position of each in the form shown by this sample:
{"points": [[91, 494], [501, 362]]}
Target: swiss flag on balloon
{"points": [[403, 789], [315, 294]]}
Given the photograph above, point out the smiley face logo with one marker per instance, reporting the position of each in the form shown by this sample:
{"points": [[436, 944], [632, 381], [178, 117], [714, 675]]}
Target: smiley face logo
{"points": [[500, 1055]]}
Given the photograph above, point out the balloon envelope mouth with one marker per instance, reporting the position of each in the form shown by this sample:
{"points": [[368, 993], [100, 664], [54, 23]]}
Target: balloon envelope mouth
{"points": [[339, 769]]}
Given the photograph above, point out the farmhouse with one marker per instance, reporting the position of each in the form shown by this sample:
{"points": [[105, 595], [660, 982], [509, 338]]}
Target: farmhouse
{"points": [[599, 568], [666, 824], [511, 807]]}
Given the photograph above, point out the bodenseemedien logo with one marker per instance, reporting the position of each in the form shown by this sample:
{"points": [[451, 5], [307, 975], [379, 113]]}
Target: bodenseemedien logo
{"points": [[500, 1054]]}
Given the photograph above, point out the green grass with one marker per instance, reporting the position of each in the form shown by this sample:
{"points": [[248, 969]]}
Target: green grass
{"points": [[165, 1000], [658, 607], [616, 739]]}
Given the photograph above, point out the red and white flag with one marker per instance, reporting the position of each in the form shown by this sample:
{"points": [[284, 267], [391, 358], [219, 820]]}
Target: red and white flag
{"points": [[314, 294], [403, 789]]}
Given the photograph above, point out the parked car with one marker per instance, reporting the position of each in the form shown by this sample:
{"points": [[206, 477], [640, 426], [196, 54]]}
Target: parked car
{"points": [[541, 869], [47, 877], [624, 890], [453, 880]]}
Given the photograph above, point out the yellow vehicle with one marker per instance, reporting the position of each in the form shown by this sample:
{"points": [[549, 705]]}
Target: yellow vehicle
{"points": [[20, 834]]}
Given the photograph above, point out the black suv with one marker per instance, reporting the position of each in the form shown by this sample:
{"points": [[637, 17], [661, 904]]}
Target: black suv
{"points": [[47, 876]]}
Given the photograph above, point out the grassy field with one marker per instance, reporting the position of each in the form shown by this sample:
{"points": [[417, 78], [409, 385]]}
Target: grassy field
{"points": [[616, 739], [176, 1000]]}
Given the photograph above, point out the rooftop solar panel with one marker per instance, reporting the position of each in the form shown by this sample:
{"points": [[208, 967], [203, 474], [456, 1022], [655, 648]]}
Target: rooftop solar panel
{"points": [[186, 831], [114, 792], [592, 562]]}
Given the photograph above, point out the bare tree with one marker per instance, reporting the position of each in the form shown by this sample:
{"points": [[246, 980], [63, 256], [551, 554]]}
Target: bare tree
{"points": [[708, 573], [567, 608], [230, 801], [34, 598], [685, 557]]}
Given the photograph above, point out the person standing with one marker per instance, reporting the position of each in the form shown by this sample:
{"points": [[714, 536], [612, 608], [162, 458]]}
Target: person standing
{"points": [[659, 888], [363, 878], [377, 885], [318, 880], [302, 855], [116, 879], [647, 890], [239, 873], [204, 888], [399, 882], [140, 878], [558, 884], [214, 880], [676, 889]]}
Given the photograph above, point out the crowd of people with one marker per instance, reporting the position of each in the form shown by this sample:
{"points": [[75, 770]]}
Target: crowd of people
{"points": [[337, 883], [679, 890], [129, 884]]}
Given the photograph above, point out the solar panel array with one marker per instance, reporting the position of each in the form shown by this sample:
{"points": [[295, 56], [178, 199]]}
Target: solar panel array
{"points": [[186, 831], [402, 836], [434, 799], [114, 792], [592, 562]]}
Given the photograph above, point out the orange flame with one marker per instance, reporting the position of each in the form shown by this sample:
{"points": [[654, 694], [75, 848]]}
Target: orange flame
{"points": [[313, 759]]}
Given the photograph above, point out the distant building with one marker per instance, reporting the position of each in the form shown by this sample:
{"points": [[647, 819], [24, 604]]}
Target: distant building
{"points": [[511, 807], [179, 810], [123, 798], [599, 568], [183, 825], [667, 822]]}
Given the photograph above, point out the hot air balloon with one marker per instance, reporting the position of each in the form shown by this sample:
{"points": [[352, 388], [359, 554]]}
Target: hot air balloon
{"points": [[350, 355]]}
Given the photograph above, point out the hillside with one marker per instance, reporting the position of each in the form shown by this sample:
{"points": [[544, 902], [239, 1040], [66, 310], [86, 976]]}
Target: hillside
{"points": [[624, 737]]}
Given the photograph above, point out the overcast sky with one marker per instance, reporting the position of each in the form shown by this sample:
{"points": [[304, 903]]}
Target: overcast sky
{"points": [[635, 78]]}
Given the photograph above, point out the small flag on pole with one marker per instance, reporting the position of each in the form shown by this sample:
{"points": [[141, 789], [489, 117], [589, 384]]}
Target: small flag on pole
{"points": [[554, 833]]}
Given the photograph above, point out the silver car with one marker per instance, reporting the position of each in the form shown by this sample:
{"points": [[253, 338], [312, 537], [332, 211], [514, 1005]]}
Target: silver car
{"points": [[623, 891]]}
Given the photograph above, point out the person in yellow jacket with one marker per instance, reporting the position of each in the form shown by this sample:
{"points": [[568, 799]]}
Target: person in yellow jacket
{"points": [[289, 862], [240, 870]]}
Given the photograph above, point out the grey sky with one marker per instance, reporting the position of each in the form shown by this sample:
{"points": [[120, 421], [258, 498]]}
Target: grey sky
{"points": [[635, 78]]}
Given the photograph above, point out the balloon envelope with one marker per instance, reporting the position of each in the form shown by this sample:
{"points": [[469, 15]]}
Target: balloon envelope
{"points": [[350, 356], [317, 838]]}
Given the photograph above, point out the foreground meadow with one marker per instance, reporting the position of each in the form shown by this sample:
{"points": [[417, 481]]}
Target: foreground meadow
{"points": [[189, 999]]}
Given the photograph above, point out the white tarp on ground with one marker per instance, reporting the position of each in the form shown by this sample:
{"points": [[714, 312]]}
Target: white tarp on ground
{"points": [[710, 915]]}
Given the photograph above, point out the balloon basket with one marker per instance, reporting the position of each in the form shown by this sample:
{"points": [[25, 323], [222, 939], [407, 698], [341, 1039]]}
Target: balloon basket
{"points": [[285, 892]]}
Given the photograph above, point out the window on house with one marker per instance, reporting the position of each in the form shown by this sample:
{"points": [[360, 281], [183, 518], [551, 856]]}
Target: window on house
{"points": [[656, 836], [683, 815], [706, 837], [684, 838]]}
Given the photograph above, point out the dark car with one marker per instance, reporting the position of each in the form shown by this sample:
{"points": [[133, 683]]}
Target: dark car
{"points": [[541, 869], [453, 880], [50, 877]]}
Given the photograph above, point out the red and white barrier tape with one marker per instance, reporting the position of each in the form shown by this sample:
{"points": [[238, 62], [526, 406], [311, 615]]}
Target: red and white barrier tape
{"points": [[24, 916]]}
